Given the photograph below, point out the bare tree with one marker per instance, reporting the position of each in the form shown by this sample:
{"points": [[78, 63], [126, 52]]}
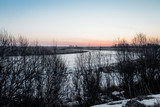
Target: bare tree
{"points": [[87, 77], [125, 61]]}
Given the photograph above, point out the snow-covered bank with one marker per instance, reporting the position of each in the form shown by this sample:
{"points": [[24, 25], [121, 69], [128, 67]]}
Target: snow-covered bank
{"points": [[148, 101]]}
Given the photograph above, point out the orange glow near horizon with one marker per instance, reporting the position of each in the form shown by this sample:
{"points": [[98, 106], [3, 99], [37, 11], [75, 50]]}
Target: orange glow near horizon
{"points": [[77, 43]]}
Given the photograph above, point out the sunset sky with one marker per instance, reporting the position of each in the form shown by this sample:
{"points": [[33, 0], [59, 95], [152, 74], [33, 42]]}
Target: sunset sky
{"points": [[80, 22]]}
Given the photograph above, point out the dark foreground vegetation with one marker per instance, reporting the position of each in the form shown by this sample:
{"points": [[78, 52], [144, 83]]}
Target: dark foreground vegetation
{"points": [[44, 80], [139, 66]]}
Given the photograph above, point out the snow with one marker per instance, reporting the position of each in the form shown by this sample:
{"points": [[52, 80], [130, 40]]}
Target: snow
{"points": [[105, 105], [152, 99], [154, 95], [113, 104], [149, 102], [117, 93]]}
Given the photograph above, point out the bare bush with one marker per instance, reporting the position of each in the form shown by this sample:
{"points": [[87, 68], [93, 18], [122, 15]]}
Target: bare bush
{"points": [[138, 64], [29, 80]]}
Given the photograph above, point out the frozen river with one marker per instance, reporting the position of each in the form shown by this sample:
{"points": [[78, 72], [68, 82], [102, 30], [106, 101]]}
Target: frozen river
{"points": [[70, 58], [108, 55]]}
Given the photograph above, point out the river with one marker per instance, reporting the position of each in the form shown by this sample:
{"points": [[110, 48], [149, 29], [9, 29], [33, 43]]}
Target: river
{"points": [[70, 58]]}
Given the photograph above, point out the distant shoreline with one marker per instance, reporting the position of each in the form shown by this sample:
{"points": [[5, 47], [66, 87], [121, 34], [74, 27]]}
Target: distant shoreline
{"points": [[31, 50]]}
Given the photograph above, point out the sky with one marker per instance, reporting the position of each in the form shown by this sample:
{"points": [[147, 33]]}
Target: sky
{"points": [[80, 22]]}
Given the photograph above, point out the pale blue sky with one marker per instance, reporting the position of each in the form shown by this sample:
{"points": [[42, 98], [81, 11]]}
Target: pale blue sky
{"points": [[80, 21]]}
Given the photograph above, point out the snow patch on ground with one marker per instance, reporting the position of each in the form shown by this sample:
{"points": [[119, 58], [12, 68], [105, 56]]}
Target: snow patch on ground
{"points": [[150, 101], [117, 93]]}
